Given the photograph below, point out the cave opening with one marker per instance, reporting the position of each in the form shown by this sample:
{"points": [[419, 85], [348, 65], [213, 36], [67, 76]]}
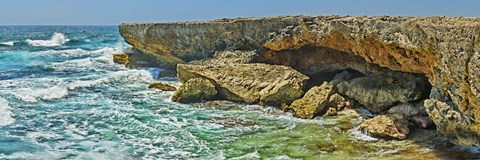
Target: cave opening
{"points": [[323, 64]]}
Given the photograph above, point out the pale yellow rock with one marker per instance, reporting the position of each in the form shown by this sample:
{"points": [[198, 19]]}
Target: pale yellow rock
{"points": [[313, 102], [249, 83]]}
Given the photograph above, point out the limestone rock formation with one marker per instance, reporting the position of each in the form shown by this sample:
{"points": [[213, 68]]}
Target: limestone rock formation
{"points": [[379, 92], [444, 49], [249, 83], [313, 102], [408, 109], [121, 59], [385, 127], [195, 90], [162, 86], [231, 57], [339, 102], [452, 123]]}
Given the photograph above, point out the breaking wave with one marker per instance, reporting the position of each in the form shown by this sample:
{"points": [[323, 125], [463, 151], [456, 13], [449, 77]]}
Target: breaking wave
{"points": [[5, 113], [10, 43], [57, 39]]}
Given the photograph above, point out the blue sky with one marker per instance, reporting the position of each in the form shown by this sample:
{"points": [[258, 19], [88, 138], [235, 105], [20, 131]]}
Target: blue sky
{"points": [[112, 12]]}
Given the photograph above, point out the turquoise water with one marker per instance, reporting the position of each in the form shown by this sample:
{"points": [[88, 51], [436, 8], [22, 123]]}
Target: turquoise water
{"points": [[62, 97]]}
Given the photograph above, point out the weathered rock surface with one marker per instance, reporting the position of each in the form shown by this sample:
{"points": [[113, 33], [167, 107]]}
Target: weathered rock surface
{"points": [[386, 127], [339, 102], [249, 83], [379, 92], [451, 123], [313, 102], [162, 86], [231, 57], [405, 108], [445, 49], [121, 59], [195, 90]]}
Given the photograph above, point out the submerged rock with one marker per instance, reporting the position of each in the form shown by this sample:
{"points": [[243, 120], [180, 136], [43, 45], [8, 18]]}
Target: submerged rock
{"points": [[162, 86], [249, 83], [195, 90], [121, 59], [386, 127], [379, 92], [313, 102]]}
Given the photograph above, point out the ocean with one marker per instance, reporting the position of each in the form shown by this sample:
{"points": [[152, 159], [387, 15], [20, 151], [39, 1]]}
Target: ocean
{"points": [[62, 97]]}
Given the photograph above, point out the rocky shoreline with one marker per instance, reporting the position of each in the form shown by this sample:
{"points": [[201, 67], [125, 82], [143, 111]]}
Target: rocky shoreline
{"points": [[410, 72]]}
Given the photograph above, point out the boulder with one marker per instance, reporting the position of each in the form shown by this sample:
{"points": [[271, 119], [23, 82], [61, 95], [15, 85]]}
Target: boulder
{"points": [[332, 111], [379, 92], [386, 127], [120, 59], [162, 86], [195, 90], [414, 113], [407, 109], [313, 102], [249, 83], [339, 102]]}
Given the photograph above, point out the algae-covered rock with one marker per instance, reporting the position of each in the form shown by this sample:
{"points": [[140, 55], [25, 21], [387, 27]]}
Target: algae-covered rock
{"points": [[121, 59], [313, 102], [195, 90], [379, 92], [386, 127], [162, 86], [249, 83]]}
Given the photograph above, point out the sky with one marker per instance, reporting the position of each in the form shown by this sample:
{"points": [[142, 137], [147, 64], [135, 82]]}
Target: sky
{"points": [[113, 12]]}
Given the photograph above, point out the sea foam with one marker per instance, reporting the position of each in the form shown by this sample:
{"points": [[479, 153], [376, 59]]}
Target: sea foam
{"points": [[57, 39], [11, 43], [5, 113]]}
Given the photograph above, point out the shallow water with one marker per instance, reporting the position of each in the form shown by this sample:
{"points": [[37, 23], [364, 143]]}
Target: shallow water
{"points": [[62, 97]]}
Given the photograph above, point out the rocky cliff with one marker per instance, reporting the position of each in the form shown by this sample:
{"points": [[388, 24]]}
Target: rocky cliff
{"points": [[444, 49]]}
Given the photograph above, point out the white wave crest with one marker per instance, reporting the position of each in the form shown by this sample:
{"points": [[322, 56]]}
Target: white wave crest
{"points": [[5, 113], [33, 95], [11, 43], [57, 39], [359, 135]]}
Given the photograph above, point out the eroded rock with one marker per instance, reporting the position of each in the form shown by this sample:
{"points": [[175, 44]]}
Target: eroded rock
{"points": [[339, 102], [407, 109], [162, 86], [445, 49], [249, 83], [313, 102], [386, 127], [195, 90], [121, 59], [233, 57], [379, 92], [452, 123]]}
